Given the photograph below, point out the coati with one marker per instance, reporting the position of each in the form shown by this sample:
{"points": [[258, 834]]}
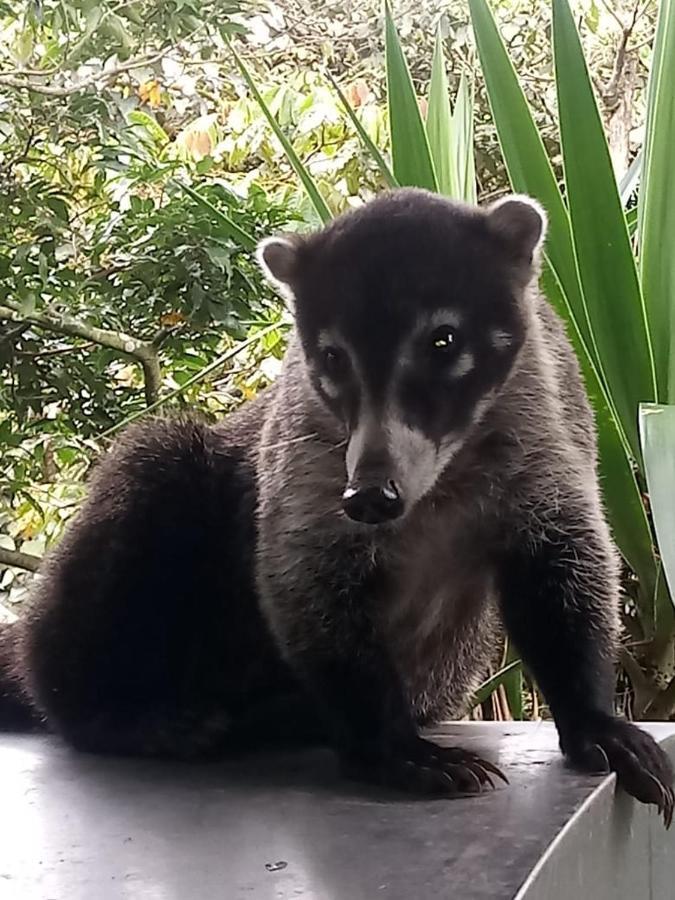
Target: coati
{"points": [[338, 556]]}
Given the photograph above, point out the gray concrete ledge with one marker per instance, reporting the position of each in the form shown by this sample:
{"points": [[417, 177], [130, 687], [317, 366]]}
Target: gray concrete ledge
{"points": [[76, 827]]}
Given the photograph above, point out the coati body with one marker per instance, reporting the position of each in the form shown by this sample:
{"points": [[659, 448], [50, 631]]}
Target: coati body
{"points": [[342, 551]]}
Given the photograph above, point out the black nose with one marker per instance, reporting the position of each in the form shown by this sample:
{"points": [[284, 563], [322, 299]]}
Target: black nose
{"points": [[373, 503]]}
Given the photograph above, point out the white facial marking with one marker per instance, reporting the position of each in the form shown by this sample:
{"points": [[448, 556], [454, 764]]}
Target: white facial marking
{"points": [[415, 458], [326, 339], [501, 340], [358, 442], [329, 387], [465, 363], [447, 316]]}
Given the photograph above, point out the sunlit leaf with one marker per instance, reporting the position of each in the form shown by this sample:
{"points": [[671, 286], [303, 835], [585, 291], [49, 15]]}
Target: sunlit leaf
{"points": [[411, 156], [657, 209], [440, 125], [604, 254]]}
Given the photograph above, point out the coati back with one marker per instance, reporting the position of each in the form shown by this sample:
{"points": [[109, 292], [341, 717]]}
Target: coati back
{"points": [[422, 470]]}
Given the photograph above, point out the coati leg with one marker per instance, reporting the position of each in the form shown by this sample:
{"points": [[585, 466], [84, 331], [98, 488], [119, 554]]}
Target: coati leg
{"points": [[559, 599], [144, 635], [335, 652]]}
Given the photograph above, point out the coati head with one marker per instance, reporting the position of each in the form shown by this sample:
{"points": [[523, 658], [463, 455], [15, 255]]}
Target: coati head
{"points": [[411, 311]]}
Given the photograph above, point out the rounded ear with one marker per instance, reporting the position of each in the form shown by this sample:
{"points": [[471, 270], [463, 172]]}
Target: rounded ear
{"points": [[278, 258], [520, 222]]}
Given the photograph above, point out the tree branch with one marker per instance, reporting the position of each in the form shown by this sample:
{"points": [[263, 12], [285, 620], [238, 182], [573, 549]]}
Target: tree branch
{"points": [[144, 353], [19, 560], [48, 90]]}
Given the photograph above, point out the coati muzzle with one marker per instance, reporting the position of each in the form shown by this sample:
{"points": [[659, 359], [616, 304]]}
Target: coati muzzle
{"points": [[372, 494]]}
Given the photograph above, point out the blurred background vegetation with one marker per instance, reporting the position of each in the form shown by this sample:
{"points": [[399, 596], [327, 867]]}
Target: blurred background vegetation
{"points": [[136, 167]]}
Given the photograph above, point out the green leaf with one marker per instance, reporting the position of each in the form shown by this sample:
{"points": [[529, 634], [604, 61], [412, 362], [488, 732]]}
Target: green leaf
{"points": [[632, 220], [150, 124], [301, 170], [604, 254], [462, 122], [440, 126], [630, 179], [228, 226], [513, 684], [410, 153], [657, 433], [379, 160], [492, 683], [623, 501], [657, 210], [527, 163]]}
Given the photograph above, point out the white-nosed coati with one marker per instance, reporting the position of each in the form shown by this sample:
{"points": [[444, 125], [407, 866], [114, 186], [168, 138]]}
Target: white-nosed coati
{"points": [[342, 550]]}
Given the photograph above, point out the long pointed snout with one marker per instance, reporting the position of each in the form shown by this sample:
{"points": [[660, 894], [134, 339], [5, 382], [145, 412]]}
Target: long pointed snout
{"points": [[372, 494]]}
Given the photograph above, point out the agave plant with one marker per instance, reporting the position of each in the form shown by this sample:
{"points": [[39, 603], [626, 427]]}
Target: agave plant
{"points": [[617, 298], [619, 311]]}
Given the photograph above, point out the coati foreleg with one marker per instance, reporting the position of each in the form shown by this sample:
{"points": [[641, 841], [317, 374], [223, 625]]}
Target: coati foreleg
{"points": [[559, 597], [334, 649]]}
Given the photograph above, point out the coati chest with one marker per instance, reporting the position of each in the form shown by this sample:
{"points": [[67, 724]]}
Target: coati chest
{"points": [[435, 607]]}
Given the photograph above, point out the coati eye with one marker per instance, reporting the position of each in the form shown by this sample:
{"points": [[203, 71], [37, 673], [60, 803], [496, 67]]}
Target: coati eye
{"points": [[443, 340], [335, 361]]}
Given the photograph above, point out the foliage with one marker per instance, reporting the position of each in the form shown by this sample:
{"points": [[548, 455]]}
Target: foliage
{"points": [[610, 306], [117, 286]]}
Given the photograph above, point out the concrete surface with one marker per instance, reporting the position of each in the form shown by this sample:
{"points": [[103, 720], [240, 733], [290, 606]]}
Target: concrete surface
{"points": [[76, 827]]}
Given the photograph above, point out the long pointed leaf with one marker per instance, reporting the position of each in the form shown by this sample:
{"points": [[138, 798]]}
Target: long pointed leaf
{"points": [[657, 431], [492, 683], [605, 258], [527, 163], [379, 160], [410, 153], [631, 178], [530, 172], [657, 209], [462, 121], [301, 170], [623, 500], [440, 126]]}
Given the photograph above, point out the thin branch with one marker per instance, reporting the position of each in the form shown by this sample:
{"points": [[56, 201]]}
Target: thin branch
{"points": [[196, 378], [613, 13], [48, 90], [19, 560], [145, 354]]}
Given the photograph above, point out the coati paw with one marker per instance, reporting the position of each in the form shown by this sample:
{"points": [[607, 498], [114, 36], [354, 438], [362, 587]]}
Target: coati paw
{"points": [[642, 768], [422, 767]]}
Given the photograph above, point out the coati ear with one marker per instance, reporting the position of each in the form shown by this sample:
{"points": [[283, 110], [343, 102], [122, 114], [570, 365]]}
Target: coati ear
{"points": [[278, 258], [520, 222]]}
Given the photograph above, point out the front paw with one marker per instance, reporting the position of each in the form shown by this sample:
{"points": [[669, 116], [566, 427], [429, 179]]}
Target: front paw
{"points": [[422, 767], [642, 768]]}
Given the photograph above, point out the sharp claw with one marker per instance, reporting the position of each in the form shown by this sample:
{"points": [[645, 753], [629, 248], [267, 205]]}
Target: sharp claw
{"points": [[447, 777], [490, 767], [670, 805], [485, 777], [662, 790], [608, 767], [475, 777]]}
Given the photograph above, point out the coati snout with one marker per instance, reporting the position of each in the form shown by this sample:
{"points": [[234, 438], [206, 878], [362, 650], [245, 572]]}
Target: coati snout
{"points": [[410, 313]]}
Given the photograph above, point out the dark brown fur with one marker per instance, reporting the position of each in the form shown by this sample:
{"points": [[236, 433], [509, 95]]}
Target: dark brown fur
{"points": [[212, 578]]}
